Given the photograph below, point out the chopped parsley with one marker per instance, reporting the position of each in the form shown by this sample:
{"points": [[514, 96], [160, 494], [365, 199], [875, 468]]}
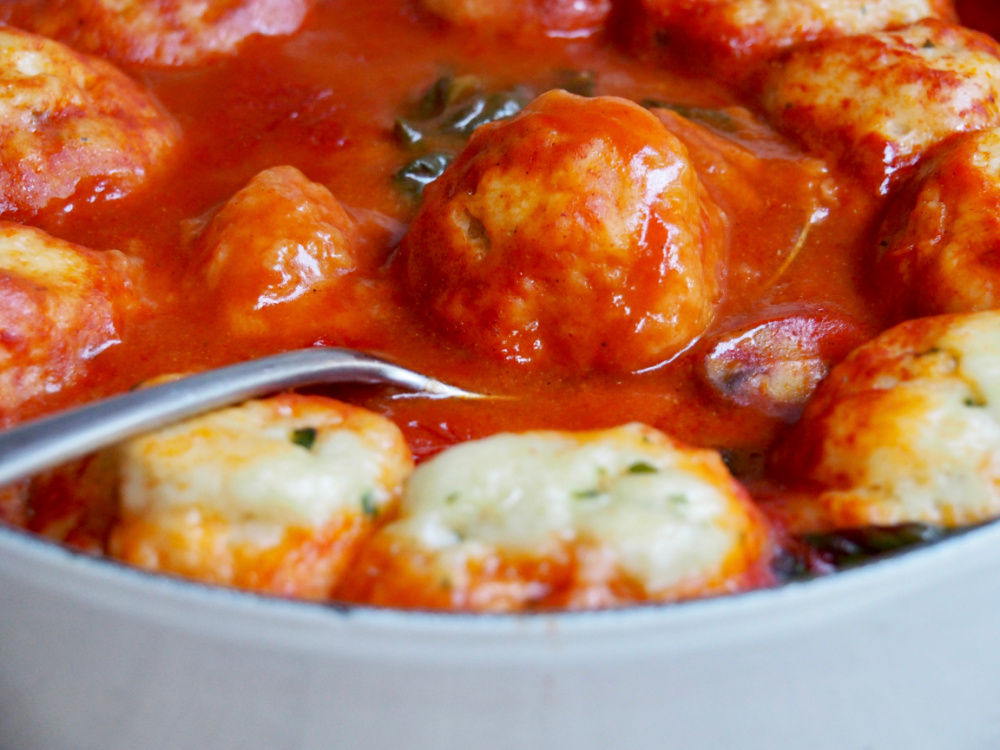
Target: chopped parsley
{"points": [[368, 506], [642, 467], [305, 437]]}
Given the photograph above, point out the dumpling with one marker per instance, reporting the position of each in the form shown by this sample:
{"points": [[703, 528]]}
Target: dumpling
{"points": [[61, 305], [283, 258], [575, 235], [562, 519], [880, 101], [906, 429], [72, 124], [273, 495], [939, 248], [164, 32], [728, 36]]}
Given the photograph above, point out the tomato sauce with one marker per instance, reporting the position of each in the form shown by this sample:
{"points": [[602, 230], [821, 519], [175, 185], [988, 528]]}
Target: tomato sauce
{"points": [[325, 100]]}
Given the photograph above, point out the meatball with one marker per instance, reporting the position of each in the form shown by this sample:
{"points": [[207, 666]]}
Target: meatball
{"points": [[164, 32], [69, 123], [283, 257], [576, 234], [554, 519], [906, 429], [880, 101], [729, 35], [939, 249], [555, 17], [61, 305], [274, 495]]}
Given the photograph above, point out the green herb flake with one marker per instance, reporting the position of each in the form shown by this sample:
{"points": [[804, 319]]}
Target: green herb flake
{"points": [[305, 437], [973, 403], [927, 45], [642, 467], [678, 499], [452, 498], [368, 506], [587, 494]]}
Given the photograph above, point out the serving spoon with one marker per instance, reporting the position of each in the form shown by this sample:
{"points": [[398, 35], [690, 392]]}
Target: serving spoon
{"points": [[43, 443]]}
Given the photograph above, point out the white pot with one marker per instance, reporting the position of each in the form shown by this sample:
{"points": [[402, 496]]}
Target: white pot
{"points": [[900, 654]]}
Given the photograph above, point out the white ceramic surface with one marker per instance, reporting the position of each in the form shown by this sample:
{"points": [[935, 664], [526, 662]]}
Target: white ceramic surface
{"points": [[898, 655]]}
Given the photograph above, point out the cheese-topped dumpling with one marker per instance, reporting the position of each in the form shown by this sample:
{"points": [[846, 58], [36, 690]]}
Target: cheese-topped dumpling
{"points": [[283, 257], [551, 519], [906, 429], [274, 495], [879, 101], [164, 32], [939, 248], [576, 234], [71, 123], [61, 305], [728, 35], [558, 17]]}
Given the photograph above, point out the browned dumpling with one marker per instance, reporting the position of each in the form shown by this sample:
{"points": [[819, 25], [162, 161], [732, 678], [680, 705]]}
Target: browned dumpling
{"points": [[283, 257], [61, 305], [71, 123], [939, 249], [727, 34], [576, 17], [576, 234], [164, 32], [880, 101], [906, 429]]}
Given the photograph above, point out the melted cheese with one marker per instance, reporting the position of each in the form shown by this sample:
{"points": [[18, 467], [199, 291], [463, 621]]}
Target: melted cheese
{"points": [[243, 464], [665, 513]]}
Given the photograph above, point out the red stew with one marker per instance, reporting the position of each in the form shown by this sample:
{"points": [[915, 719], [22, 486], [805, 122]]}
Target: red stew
{"points": [[326, 99]]}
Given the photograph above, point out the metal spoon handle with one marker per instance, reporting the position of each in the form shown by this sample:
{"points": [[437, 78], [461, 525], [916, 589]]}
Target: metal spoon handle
{"points": [[41, 444]]}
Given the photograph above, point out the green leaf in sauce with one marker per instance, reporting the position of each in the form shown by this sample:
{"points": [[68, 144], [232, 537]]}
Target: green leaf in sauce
{"points": [[853, 546], [717, 118], [421, 172]]}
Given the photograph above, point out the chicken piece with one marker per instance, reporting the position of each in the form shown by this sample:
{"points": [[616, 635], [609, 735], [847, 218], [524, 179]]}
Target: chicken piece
{"points": [[284, 258], [773, 366], [880, 101], [573, 235], [905, 430], [939, 248], [70, 123], [61, 305], [553, 17], [730, 36], [164, 32], [559, 519], [273, 495]]}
